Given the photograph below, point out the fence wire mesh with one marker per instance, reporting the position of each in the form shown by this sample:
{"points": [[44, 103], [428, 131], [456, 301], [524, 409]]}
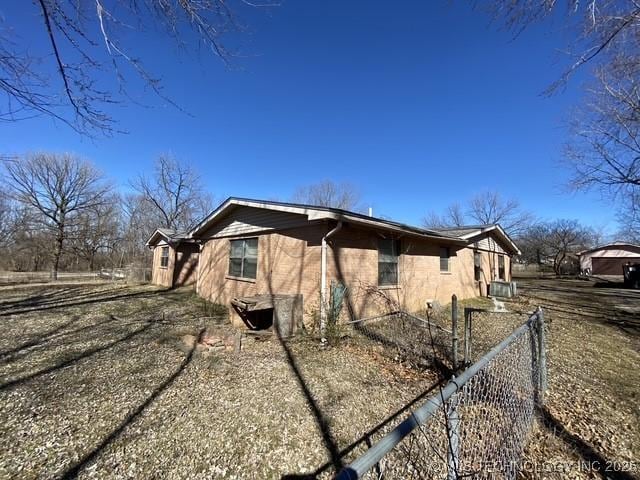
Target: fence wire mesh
{"points": [[479, 431], [405, 338]]}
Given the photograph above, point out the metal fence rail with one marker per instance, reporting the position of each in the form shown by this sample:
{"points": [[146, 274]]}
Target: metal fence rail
{"points": [[476, 426]]}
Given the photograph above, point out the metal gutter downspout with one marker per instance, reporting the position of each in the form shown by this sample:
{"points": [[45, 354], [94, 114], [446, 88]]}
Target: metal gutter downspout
{"points": [[323, 281]]}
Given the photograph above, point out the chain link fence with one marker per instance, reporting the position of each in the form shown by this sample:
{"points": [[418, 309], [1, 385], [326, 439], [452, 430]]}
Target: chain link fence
{"points": [[476, 426], [404, 338]]}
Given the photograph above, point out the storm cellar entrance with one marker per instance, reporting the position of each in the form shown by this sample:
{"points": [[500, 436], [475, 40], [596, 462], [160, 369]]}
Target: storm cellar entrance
{"points": [[264, 312]]}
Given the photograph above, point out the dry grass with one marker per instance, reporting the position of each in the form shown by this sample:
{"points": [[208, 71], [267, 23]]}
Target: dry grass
{"points": [[95, 382], [592, 413]]}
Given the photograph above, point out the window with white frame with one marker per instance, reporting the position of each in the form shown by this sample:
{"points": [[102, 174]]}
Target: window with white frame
{"points": [[501, 275], [243, 258], [388, 255], [164, 257]]}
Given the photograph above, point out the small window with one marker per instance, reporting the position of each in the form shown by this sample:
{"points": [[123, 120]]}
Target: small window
{"points": [[164, 257], [477, 266], [243, 258], [388, 253], [501, 267], [444, 259]]}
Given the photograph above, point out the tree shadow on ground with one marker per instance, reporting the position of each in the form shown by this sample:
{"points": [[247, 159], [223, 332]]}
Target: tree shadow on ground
{"points": [[589, 454], [336, 461], [43, 338], [598, 306], [74, 359], [49, 303], [74, 470]]}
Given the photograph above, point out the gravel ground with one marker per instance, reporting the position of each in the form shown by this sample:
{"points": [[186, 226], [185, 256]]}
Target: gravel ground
{"points": [[96, 382]]}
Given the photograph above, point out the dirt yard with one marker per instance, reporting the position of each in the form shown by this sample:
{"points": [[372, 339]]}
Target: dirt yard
{"points": [[590, 427], [96, 381], [104, 381]]}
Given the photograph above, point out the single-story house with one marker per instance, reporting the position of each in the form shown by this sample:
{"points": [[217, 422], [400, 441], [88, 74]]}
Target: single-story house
{"points": [[608, 259], [175, 258], [249, 247]]}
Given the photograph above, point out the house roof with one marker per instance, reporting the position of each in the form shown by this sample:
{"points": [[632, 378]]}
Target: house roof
{"points": [[168, 234], [454, 235], [607, 245], [314, 212], [467, 232]]}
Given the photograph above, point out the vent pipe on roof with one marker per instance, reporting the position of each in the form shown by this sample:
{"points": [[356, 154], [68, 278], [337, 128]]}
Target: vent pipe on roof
{"points": [[370, 212]]}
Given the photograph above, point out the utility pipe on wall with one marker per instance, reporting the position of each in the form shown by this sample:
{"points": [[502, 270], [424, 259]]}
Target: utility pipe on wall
{"points": [[323, 281]]}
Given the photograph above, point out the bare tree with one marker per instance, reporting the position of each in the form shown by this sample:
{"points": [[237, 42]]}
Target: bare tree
{"points": [[329, 194], [602, 29], [97, 230], [490, 207], [556, 242], [9, 223], [484, 208], [604, 148], [85, 38], [173, 197], [453, 217], [58, 189], [604, 152]]}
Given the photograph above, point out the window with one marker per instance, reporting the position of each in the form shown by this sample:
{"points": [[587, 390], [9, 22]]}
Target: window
{"points": [[501, 267], [477, 266], [388, 253], [164, 257], [444, 259], [243, 258]]}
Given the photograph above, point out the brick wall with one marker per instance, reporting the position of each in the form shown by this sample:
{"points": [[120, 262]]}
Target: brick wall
{"points": [[289, 263], [186, 264], [162, 276]]}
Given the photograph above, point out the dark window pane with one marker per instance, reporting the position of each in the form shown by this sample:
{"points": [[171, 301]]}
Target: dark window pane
{"points": [[251, 248], [444, 259], [476, 266], [237, 247], [387, 273], [388, 253], [250, 267], [235, 267]]}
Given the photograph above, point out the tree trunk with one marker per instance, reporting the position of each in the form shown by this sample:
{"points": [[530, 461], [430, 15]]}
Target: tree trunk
{"points": [[58, 252]]}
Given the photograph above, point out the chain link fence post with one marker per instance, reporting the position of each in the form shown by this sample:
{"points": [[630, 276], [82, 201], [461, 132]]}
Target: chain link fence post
{"points": [[467, 336], [454, 332], [542, 357], [453, 430]]}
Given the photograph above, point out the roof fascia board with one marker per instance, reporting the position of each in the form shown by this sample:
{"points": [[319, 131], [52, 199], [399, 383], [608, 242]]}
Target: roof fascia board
{"points": [[316, 214]]}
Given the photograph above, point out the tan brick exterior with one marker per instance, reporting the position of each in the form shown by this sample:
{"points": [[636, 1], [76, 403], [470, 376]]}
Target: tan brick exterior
{"points": [[182, 268], [186, 265], [289, 263], [163, 276]]}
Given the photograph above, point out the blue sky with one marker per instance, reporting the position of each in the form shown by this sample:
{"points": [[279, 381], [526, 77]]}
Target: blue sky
{"points": [[418, 104]]}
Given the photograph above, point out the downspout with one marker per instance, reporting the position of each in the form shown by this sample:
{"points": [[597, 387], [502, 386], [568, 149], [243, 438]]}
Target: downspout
{"points": [[323, 281]]}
